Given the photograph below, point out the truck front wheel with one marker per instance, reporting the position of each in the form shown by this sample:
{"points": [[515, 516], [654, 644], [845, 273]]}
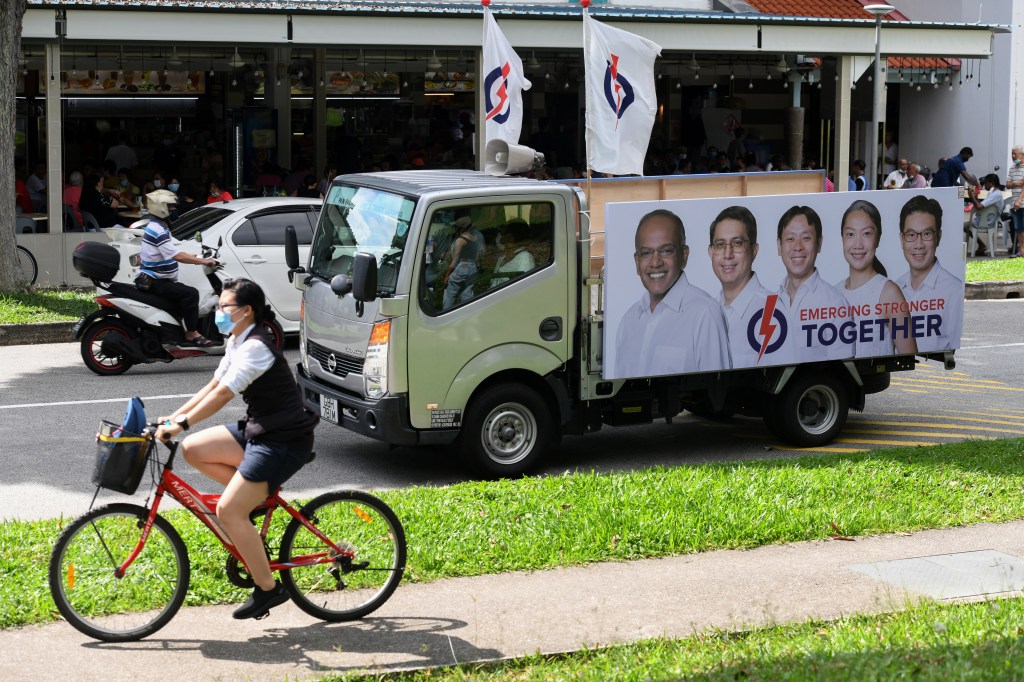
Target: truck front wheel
{"points": [[506, 430], [811, 410]]}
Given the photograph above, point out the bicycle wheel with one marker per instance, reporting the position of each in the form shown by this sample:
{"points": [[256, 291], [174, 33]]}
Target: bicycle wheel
{"points": [[348, 588], [84, 581], [28, 269]]}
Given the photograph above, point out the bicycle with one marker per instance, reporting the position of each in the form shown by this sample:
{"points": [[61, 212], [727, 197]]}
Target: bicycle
{"points": [[121, 571], [28, 269]]}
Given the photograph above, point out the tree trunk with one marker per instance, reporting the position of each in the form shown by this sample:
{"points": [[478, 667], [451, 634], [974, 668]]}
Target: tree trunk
{"points": [[12, 12]]}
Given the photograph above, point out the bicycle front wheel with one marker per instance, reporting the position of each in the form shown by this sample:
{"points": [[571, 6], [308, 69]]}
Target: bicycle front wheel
{"points": [[28, 269], [348, 588], [90, 594]]}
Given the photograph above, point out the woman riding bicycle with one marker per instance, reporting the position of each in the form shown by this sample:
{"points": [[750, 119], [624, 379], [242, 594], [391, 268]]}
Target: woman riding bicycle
{"points": [[255, 456]]}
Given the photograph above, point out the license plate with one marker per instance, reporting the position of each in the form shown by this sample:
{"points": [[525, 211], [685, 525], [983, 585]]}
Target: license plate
{"points": [[329, 409]]}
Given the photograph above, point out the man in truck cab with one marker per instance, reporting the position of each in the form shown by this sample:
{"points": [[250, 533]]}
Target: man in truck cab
{"points": [[675, 328], [732, 251]]}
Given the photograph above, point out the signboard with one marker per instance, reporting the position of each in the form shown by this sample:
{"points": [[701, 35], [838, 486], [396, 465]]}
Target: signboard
{"points": [[127, 82], [779, 280]]}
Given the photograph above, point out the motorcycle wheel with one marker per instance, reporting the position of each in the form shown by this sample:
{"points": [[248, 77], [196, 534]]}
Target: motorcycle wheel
{"points": [[273, 328], [92, 351]]}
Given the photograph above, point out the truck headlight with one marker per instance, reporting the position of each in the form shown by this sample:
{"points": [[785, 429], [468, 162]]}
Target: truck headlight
{"points": [[375, 367]]}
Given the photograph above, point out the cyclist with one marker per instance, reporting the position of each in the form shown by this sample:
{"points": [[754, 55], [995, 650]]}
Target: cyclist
{"points": [[159, 271], [255, 456]]}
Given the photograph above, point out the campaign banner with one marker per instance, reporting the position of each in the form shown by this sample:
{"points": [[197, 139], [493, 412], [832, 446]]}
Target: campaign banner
{"points": [[703, 285]]}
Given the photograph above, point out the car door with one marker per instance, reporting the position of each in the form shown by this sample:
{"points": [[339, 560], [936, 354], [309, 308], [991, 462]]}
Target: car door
{"points": [[258, 244]]}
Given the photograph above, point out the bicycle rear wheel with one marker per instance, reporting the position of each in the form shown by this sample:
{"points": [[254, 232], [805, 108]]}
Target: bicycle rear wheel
{"points": [[84, 581], [28, 269], [349, 587]]}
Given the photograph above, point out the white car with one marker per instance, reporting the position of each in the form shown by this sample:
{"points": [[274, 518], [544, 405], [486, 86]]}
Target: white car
{"points": [[252, 231]]}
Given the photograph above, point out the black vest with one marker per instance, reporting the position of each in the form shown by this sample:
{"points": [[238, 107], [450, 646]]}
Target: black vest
{"points": [[274, 409]]}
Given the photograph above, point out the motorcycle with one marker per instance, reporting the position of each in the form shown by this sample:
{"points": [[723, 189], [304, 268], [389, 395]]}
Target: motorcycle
{"points": [[137, 327]]}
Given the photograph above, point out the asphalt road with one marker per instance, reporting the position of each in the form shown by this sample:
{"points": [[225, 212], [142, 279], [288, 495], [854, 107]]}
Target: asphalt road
{"points": [[51, 405]]}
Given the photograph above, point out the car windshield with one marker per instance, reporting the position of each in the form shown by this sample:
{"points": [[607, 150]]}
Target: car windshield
{"points": [[197, 220], [357, 219]]}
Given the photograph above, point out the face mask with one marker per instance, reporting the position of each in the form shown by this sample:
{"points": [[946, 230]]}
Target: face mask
{"points": [[124, 183], [1017, 162], [173, 186], [215, 194], [158, 183], [223, 321]]}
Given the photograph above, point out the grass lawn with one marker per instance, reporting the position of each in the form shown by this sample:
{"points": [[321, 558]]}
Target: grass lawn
{"points": [[995, 270], [980, 641], [45, 305], [476, 528]]}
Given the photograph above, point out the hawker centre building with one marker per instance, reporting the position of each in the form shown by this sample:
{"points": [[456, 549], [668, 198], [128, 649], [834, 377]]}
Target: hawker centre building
{"points": [[364, 85]]}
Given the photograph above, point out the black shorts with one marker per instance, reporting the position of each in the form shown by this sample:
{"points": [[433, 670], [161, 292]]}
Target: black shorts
{"points": [[274, 463]]}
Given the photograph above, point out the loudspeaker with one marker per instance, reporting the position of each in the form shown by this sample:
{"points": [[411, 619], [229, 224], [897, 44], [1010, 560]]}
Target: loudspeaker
{"points": [[502, 158]]}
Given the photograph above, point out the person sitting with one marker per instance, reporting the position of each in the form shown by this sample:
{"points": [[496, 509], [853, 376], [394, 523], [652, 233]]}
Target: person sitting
{"points": [[986, 211], [309, 188], [217, 192], [159, 271], [73, 194], [100, 202], [515, 260]]}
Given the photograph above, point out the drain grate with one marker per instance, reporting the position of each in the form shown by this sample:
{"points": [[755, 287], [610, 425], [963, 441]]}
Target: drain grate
{"points": [[951, 576]]}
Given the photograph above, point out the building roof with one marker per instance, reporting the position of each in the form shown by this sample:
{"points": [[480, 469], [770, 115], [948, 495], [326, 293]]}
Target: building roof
{"points": [[833, 9]]}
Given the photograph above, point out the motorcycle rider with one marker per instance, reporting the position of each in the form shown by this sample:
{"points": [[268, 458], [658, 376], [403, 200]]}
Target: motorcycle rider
{"points": [[159, 271]]}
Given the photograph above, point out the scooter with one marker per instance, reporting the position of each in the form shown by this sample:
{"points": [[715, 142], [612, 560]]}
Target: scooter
{"points": [[137, 327]]}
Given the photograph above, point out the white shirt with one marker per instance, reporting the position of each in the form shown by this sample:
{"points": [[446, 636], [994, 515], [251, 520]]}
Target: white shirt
{"points": [[868, 294], [895, 179], [684, 333], [939, 284], [244, 361], [813, 294], [737, 318]]}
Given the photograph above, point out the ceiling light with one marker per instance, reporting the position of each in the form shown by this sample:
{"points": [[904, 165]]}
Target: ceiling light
{"points": [[434, 64], [173, 60], [236, 61], [532, 64]]}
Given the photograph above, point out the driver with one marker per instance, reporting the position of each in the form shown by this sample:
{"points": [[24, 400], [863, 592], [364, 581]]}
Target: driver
{"points": [[159, 271]]}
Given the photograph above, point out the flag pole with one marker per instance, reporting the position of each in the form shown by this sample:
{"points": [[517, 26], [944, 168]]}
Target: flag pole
{"points": [[586, 95]]}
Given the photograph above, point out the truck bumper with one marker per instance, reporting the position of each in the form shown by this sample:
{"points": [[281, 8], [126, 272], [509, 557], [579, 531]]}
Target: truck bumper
{"points": [[385, 420]]}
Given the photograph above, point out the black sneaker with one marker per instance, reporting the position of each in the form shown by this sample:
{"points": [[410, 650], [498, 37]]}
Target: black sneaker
{"points": [[260, 603]]}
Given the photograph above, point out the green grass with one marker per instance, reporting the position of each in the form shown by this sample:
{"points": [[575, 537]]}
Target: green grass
{"points": [[962, 642], [45, 305], [995, 270], [537, 523]]}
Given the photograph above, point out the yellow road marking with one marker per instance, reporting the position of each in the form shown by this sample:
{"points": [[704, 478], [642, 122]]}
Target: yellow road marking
{"points": [[869, 441], [913, 390], [944, 426], [925, 434], [839, 451], [955, 385], [931, 416]]}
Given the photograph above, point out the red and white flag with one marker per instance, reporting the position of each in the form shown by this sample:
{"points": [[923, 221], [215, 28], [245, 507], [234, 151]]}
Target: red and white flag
{"points": [[621, 101], [504, 82]]}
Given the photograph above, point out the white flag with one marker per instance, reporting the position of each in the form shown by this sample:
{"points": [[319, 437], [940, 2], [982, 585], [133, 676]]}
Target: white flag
{"points": [[503, 85], [621, 101]]}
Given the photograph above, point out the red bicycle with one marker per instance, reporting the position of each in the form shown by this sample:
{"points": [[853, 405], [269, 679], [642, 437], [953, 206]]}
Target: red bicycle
{"points": [[121, 571]]}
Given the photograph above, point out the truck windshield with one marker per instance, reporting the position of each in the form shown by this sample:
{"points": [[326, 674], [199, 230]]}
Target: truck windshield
{"points": [[358, 219]]}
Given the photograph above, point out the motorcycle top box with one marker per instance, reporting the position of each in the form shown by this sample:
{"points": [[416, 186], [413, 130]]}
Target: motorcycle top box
{"points": [[96, 260]]}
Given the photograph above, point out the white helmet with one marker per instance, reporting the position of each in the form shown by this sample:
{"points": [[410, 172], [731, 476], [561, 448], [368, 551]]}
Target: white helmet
{"points": [[160, 201]]}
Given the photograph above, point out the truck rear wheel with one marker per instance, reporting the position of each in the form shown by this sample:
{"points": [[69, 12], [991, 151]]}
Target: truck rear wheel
{"points": [[811, 410], [506, 430]]}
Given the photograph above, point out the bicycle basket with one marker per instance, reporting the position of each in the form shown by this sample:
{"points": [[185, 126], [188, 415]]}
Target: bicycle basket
{"points": [[120, 458]]}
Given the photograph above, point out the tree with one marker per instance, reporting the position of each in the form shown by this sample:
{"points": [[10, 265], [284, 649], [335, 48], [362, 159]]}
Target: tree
{"points": [[12, 13]]}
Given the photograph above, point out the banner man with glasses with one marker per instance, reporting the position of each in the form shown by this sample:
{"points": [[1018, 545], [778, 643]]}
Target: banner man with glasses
{"points": [[733, 249], [935, 295], [675, 328]]}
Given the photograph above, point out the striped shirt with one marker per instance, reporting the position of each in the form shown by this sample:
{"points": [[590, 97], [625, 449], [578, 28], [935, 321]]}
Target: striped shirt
{"points": [[1015, 174], [157, 252]]}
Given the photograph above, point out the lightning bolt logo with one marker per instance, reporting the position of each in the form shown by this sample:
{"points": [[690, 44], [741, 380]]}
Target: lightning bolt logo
{"points": [[614, 68], [768, 325], [502, 93]]}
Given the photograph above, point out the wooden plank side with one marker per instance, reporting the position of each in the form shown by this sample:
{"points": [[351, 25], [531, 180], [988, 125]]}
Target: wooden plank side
{"points": [[603, 192]]}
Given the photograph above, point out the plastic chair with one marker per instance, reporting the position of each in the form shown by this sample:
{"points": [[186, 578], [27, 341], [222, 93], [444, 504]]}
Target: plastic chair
{"points": [[71, 221], [986, 220], [24, 225], [90, 222]]}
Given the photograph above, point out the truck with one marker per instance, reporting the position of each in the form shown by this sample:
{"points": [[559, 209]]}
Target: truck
{"points": [[459, 308]]}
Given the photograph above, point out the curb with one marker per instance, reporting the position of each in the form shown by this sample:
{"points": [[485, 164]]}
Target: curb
{"points": [[36, 332], [60, 332], [976, 291]]}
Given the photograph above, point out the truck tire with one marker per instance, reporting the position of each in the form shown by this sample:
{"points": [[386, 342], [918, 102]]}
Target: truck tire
{"points": [[811, 410], [506, 431]]}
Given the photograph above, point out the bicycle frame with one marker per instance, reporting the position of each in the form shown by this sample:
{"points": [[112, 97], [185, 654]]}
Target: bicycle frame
{"points": [[203, 507]]}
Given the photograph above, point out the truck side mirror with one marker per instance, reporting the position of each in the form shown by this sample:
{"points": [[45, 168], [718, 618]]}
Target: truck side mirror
{"points": [[341, 285], [291, 252], [364, 277]]}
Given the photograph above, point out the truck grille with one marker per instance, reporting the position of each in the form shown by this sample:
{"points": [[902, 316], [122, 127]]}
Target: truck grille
{"points": [[344, 364]]}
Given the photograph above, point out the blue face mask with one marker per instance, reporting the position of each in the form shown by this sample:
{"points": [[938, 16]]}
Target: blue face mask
{"points": [[173, 186], [223, 321]]}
